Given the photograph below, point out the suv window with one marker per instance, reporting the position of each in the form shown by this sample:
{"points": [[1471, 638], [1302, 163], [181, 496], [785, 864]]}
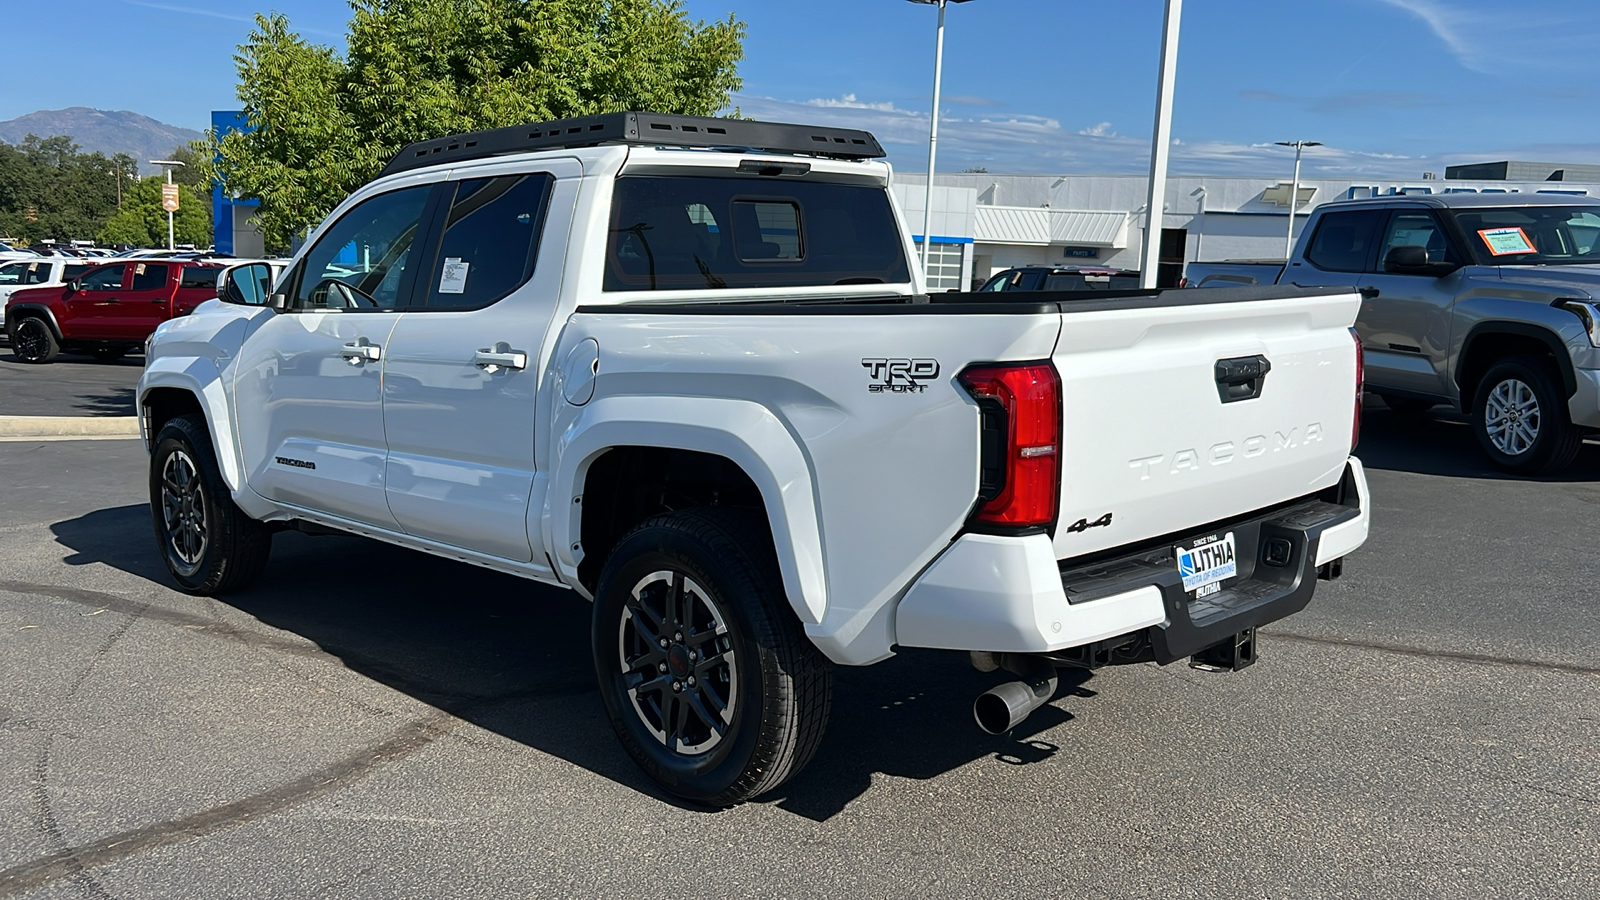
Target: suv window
{"points": [[105, 278], [149, 276], [685, 232], [12, 273], [1343, 240], [490, 240], [359, 261], [38, 273], [1419, 229], [197, 277], [69, 272]]}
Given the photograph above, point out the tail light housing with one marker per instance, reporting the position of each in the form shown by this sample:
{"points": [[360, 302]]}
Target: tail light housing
{"points": [[1361, 385], [1019, 486]]}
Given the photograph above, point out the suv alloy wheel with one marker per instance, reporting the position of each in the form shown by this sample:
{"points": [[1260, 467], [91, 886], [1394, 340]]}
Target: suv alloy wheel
{"points": [[32, 341]]}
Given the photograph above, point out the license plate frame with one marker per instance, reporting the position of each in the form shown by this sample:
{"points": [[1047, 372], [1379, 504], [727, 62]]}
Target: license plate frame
{"points": [[1205, 563]]}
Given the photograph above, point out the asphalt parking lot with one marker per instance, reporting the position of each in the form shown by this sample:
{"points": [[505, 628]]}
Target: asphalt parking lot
{"points": [[367, 722], [73, 385]]}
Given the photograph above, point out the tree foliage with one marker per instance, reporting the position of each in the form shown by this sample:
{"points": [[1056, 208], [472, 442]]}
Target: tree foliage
{"points": [[324, 124], [143, 223], [48, 189]]}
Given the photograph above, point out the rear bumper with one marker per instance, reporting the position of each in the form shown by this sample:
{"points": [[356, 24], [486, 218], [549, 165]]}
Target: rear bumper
{"points": [[1009, 594]]}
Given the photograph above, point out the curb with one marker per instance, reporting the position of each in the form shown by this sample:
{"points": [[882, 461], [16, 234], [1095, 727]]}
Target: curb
{"points": [[68, 426]]}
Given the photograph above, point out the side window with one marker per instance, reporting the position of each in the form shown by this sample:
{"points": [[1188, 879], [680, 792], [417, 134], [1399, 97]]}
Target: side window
{"points": [[106, 278], [1028, 281], [14, 273], [68, 273], [1419, 229], [359, 262], [197, 277], [149, 276], [490, 240], [39, 273], [1343, 241]]}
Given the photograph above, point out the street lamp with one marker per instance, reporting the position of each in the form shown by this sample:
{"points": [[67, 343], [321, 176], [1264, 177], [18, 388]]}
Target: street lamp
{"points": [[1160, 143], [933, 130], [1294, 192], [168, 164]]}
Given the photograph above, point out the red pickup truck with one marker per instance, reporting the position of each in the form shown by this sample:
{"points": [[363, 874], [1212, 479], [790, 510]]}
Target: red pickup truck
{"points": [[108, 310]]}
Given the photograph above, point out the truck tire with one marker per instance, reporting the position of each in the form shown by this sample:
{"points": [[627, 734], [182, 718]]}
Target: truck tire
{"points": [[1520, 418], [33, 342], [707, 677], [1406, 406], [209, 545]]}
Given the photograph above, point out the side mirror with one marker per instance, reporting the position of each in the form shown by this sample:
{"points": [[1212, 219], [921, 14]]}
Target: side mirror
{"points": [[246, 285], [74, 286], [1410, 259]]}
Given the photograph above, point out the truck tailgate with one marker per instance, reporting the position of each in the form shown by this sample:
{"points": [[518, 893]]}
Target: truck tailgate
{"points": [[1151, 448]]}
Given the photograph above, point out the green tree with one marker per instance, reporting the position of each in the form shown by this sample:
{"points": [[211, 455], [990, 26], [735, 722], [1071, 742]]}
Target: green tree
{"points": [[143, 223], [195, 165], [48, 189], [419, 69]]}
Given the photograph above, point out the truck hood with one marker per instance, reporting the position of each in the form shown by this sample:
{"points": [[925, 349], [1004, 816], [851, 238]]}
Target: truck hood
{"points": [[1567, 281]]}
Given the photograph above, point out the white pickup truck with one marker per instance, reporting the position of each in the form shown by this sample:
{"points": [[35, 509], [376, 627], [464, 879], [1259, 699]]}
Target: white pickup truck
{"points": [[687, 367]]}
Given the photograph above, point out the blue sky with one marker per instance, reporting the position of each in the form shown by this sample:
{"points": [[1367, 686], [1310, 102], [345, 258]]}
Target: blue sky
{"points": [[1392, 87]]}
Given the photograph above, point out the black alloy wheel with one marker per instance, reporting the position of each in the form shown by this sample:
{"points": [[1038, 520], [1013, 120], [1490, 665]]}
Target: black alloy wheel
{"points": [[33, 342], [707, 677], [208, 544]]}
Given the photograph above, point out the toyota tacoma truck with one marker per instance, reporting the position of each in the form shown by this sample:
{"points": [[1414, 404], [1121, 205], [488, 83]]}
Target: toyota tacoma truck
{"points": [[107, 310], [1485, 303], [685, 367]]}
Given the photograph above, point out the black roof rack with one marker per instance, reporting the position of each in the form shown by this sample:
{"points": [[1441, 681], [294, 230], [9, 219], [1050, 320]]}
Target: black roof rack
{"points": [[651, 129]]}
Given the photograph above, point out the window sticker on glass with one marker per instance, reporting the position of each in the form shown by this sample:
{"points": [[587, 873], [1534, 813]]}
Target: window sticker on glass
{"points": [[453, 276], [1507, 241], [139, 269]]}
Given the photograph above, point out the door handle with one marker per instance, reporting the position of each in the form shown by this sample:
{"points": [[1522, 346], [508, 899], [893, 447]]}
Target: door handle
{"points": [[1241, 378], [500, 356], [356, 354]]}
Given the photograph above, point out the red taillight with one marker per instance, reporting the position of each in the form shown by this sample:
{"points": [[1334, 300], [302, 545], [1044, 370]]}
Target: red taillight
{"points": [[1361, 384], [1028, 463]]}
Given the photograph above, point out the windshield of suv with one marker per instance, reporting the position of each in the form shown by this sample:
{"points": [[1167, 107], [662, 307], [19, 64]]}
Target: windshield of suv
{"points": [[1532, 235]]}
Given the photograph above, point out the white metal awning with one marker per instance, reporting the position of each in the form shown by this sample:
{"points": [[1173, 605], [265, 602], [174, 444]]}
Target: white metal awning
{"points": [[1039, 226]]}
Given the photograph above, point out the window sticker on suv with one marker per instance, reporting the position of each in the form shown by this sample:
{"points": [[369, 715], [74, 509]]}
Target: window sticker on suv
{"points": [[1507, 241]]}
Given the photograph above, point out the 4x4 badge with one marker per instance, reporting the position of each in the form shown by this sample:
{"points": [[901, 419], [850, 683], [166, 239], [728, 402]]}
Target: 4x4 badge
{"points": [[899, 376]]}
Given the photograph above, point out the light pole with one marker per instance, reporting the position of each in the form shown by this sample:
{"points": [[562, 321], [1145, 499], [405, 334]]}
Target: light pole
{"points": [[1160, 142], [1294, 192], [933, 131], [168, 164]]}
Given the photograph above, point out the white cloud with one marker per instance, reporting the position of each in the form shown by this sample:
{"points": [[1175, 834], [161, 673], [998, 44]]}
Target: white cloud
{"points": [[1487, 37], [1025, 143], [849, 101]]}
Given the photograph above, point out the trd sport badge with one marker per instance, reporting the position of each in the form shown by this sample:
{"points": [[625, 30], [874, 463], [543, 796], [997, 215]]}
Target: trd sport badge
{"points": [[900, 376]]}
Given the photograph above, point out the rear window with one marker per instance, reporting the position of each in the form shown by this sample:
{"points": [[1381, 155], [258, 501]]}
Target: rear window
{"points": [[1344, 240], [685, 232], [197, 277]]}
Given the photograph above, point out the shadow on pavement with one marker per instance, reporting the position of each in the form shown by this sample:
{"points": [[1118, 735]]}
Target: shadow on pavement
{"points": [[512, 656], [1441, 442]]}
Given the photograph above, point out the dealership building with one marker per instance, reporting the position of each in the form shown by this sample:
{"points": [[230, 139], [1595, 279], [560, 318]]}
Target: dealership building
{"points": [[984, 223]]}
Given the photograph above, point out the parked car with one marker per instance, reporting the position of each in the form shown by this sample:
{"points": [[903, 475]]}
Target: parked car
{"points": [[707, 389], [106, 311], [1486, 303], [1062, 278]]}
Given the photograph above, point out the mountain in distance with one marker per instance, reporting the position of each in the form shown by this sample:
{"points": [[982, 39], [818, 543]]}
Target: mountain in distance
{"points": [[109, 132]]}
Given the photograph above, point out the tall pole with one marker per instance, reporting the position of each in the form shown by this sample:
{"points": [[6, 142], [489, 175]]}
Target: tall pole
{"points": [[933, 144], [170, 244], [1294, 201], [1160, 143]]}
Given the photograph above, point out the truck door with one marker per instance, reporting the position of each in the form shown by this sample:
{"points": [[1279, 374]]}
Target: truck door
{"points": [[462, 368], [1405, 326], [148, 302], [95, 307], [309, 388]]}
